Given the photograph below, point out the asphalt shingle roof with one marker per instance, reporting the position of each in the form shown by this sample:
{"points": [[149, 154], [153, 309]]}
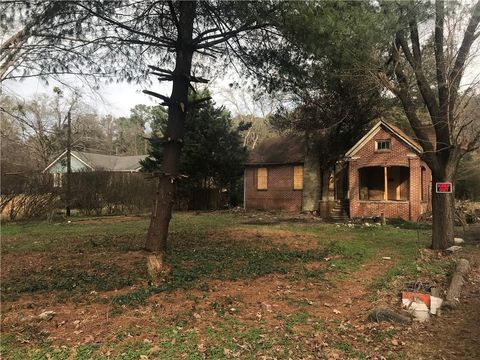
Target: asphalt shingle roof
{"points": [[278, 150], [110, 162]]}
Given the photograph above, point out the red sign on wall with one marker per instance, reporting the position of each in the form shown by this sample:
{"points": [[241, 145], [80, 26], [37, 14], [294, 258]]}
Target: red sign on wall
{"points": [[443, 187]]}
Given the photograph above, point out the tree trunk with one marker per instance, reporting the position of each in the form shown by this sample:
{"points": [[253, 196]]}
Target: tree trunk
{"points": [[325, 187], [165, 195], [311, 177], [443, 211], [68, 192]]}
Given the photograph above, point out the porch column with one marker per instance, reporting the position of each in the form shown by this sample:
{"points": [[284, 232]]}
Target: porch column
{"points": [[415, 189], [353, 187], [385, 184]]}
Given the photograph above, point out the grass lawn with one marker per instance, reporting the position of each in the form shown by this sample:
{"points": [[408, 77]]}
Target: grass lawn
{"points": [[237, 289]]}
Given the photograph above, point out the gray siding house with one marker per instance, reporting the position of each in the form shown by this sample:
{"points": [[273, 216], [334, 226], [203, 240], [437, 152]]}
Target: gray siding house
{"points": [[85, 161]]}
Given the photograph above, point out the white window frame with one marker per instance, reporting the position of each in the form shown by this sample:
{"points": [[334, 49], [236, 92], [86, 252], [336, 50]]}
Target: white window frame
{"points": [[383, 141]]}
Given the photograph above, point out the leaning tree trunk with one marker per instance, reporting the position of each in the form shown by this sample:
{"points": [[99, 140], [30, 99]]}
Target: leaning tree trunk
{"points": [[165, 195], [443, 212]]}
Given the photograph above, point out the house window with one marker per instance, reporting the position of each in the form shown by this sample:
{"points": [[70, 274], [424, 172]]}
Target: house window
{"points": [[382, 145], [298, 177], [262, 178], [57, 180]]}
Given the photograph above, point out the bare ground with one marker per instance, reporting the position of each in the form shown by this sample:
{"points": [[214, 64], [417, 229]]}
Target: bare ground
{"points": [[340, 305]]}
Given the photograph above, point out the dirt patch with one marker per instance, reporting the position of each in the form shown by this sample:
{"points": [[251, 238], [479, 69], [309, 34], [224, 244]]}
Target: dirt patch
{"points": [[268, 300], [273, 218], [274, 302], [274, 237]]}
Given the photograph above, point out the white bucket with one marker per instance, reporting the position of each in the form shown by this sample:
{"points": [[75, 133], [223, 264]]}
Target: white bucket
{"points": [[435, 304], [419, 310]]}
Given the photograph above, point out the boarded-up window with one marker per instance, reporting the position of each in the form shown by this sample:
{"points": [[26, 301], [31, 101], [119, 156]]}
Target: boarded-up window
{"points": [[298, 177], [262, 179]]}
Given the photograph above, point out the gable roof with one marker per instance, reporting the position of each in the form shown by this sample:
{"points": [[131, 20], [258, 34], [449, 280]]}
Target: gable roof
{"points": [[101, 162], [391, 129], [278, 150]]}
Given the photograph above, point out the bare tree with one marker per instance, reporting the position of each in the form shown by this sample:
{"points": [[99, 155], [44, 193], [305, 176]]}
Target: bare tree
{"points": [[444, 133], [42, 125], [253, 111]]}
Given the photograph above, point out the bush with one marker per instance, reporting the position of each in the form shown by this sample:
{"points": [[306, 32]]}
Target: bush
{"points": [[28, 196], [96, 193]]}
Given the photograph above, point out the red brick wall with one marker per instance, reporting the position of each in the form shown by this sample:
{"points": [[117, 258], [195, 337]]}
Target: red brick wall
{"points": [[399, 155], [397, 209], [415, 188], [279, 195]]}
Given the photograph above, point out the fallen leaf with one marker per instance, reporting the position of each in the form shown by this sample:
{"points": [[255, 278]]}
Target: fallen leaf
{"points": [[201, 347], [154, 349], [88, 339]]}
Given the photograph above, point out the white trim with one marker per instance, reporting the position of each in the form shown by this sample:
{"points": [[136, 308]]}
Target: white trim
{"points": [[54, 161], [126, 170], [385, 141], [373, 131], [61, 155], [406, 139]]}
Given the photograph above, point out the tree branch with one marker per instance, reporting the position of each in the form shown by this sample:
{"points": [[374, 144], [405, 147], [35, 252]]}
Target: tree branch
{"points": [[456, 73], [165, 41], [166, 100], [213, 40], [174, 16], [198, 102], [410, 107], [415, 62]]}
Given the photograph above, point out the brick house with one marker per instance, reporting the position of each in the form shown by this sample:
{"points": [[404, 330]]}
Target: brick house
{"points": [[273, 177], [382, 174]]}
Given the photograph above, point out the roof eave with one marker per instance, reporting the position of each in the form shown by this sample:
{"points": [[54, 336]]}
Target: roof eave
{"points": [[273, 163]]}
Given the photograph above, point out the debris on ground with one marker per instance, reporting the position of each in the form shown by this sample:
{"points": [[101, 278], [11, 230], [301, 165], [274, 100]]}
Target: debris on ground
{"points": [[435, 304], [456, 284], [419, 310], [44, 316], [454, 248], [458, 241], [384, 314], [409, 297]]}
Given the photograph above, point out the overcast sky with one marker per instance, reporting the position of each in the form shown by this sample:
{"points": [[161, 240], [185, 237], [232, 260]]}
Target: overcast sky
{"points": [[118, 98]]}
